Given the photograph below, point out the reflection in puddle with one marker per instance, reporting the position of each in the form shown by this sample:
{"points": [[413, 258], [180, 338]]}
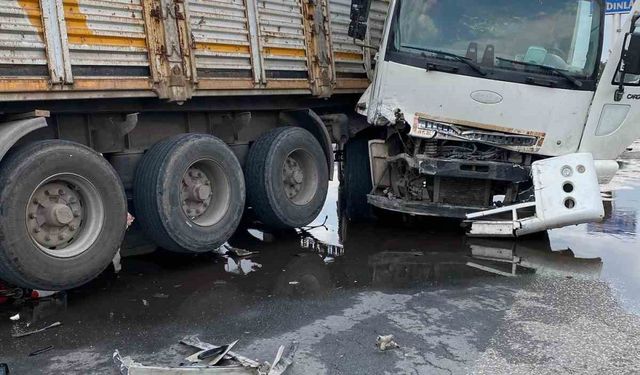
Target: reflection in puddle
{"points": [[618, 221], [328, 250], [241, 266], [510, 258]]}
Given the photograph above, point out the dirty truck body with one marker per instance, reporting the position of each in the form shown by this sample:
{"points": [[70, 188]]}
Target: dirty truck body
{"points": [[494, 110], [182, 112]]}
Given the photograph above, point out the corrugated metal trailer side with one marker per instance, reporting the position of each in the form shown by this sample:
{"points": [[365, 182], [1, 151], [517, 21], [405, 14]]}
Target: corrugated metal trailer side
{"points": [[177, 49]]}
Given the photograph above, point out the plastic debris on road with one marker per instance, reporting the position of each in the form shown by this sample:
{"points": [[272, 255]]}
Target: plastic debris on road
{"points": [[29, 333], [386, 342], [41, 351], [213, 360]]}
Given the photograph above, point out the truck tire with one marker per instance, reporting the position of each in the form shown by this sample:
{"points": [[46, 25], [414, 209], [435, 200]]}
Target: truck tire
{"points": [[64, 213], [357, 180], [189, 193], [287, 178]]}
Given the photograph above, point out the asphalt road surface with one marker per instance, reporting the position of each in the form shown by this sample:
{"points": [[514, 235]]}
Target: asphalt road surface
{"points": [[333, 289]]}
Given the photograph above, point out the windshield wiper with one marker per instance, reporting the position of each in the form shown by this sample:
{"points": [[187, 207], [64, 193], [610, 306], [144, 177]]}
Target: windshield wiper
{"points": [[464, 60], [557, 71]]}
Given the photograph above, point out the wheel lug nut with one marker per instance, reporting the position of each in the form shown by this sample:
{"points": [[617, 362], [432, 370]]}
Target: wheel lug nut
{"points": [[76, 214], [36, 201], [61, 237], [61, 192], [72, 227], [198, 211], [72, 200], [36, 230], [47, 192], [47, 238], [32, 216]]}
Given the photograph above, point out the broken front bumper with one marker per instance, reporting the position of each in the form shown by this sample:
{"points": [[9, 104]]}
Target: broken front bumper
{"points": [[566, 193]]}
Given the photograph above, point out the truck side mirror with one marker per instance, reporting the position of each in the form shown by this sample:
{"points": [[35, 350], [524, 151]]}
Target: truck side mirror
{"points": [[631, 56], [359, 15]]}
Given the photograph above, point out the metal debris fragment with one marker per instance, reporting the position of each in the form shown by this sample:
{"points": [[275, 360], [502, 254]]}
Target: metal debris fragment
{"points": [[241, 253], [41, 351], [130, 220], [195, 342], [35, 294], [283, 359], [234, 364], [227, 249], [23, 334], [117, 266], [386, 342], [213, 355]]}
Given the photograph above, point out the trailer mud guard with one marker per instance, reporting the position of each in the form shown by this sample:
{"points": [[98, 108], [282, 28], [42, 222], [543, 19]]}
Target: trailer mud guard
{"points": [[12, 131], [309, 120]]}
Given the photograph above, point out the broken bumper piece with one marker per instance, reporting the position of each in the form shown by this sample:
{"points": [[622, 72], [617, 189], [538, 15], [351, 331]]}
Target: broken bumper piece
{"points": [[235, 364], [566, 193]]}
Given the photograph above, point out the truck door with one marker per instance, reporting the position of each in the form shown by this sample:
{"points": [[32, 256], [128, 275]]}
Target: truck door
{"points": [[613, 122]]}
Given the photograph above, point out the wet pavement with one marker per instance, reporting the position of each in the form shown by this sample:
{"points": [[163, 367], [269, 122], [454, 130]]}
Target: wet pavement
{"points": [[455, 305]]}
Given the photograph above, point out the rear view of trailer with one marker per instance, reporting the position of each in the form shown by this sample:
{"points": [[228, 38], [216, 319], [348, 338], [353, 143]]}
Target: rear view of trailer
{"points": [[177, 49]]}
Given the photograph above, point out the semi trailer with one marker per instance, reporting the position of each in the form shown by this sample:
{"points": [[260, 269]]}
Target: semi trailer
{"points": [[182, 112], [497, 112]]}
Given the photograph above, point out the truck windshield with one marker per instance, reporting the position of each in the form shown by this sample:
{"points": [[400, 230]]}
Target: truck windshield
{"points": [[497, 34]]}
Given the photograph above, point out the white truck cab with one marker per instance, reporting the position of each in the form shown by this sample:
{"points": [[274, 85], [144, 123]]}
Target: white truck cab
{"points": [[472, 98]]}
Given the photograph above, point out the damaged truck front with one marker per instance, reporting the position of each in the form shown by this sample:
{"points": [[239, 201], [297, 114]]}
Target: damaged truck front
{"points": [[481, 108]]}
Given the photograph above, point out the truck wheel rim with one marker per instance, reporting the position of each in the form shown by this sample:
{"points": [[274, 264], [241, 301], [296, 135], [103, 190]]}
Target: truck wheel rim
{"points": [[299, 177], [205, 192], [64, 215]]}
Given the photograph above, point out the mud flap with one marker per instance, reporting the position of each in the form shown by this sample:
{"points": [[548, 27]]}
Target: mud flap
{"points": [[566, 193]]}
